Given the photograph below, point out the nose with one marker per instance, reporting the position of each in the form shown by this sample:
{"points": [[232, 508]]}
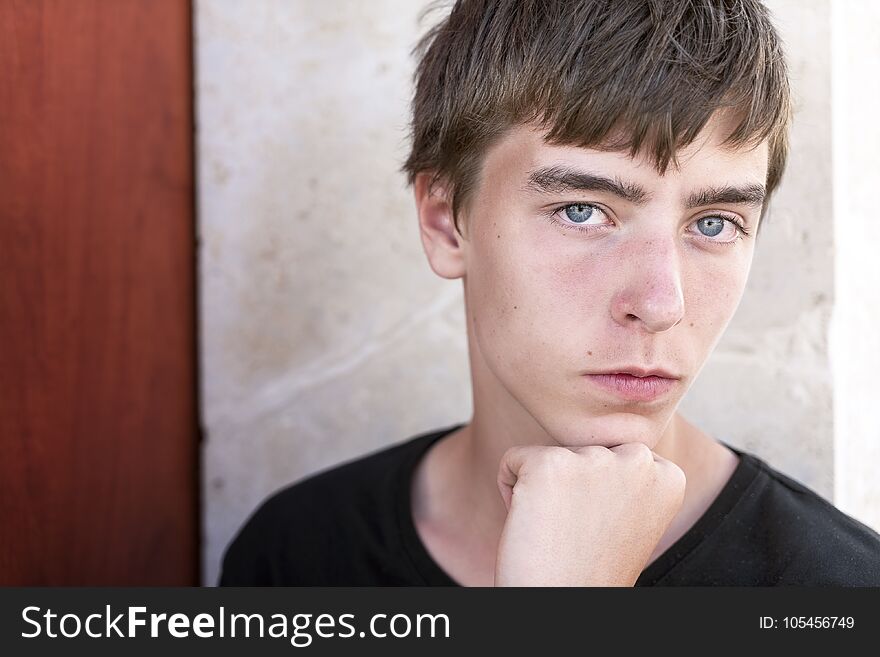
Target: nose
{"points": [[651, 294]]}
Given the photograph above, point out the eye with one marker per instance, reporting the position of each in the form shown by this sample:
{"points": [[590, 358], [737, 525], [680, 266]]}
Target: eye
{"points": [[580, 212], [714, 225], [574, 216], [711, 226]]}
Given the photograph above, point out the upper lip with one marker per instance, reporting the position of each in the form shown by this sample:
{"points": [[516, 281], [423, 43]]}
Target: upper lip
{"points": [[639, 371]]}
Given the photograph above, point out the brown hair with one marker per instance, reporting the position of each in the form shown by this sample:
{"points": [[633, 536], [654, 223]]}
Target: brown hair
{"points": [[617, 74]]}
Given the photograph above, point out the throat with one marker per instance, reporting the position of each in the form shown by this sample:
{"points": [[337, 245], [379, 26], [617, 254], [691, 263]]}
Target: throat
{"points": [[448, 513]]}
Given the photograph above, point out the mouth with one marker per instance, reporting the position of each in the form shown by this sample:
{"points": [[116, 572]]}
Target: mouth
{"points": [[630, 387]]}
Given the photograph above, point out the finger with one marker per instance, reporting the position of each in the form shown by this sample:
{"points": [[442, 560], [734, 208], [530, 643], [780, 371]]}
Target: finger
{"points": [[636, 448], [671, 468], [663, 461], [510, 469], [508, 472]]}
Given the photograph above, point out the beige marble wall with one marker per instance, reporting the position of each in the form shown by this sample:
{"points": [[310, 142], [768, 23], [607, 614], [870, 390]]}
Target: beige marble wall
{"points": [[324, 334], [855, 340]]}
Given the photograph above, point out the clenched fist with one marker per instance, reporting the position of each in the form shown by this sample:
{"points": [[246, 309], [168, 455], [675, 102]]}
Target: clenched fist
{"points": [[586, 516]]}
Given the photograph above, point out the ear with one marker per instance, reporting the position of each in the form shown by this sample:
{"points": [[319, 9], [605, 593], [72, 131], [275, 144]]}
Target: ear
{"points": [[442, 243]]}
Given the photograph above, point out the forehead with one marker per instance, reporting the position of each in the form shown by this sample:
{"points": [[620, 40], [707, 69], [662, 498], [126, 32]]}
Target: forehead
{"points": [[706, 162]]}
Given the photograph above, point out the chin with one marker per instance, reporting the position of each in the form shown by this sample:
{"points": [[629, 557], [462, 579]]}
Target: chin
{"points": [[610, 429]]}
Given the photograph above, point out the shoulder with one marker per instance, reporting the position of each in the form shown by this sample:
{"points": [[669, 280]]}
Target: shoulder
{"points": [[308, 531], [817, 543]]}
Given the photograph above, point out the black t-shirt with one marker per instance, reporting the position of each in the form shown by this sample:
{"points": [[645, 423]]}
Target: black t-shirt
{"points": [[352, 525]]}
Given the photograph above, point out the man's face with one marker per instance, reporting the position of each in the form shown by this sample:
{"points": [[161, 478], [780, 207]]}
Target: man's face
{"points": [[581, 261]]}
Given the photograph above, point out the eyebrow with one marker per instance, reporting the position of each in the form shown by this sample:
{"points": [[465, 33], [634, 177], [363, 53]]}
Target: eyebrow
{"points": [[752, 195], [558, 179]]}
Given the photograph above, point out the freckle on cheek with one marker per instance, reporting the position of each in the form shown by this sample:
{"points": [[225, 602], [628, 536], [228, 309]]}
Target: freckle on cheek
{"points": [[692, 323], [589, 353]]}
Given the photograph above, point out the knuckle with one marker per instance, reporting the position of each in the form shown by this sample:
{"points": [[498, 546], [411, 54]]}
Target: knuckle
{"points": [[543, 461], [594, 452], [510, 453], [639, 453], [593, 457], [555, 458], [643, 451], [636, 448], [672, 475]]}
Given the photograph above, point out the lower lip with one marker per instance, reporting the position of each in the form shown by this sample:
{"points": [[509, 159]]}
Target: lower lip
{"points": [[634, 388]]}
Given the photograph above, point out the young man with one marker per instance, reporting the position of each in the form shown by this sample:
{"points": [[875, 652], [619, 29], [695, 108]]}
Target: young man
{"points": [[596, 175]]}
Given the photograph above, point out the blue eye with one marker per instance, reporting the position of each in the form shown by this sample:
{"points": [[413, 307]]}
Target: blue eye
{"points": [[714, 225], [576, 216], [579, 212]]}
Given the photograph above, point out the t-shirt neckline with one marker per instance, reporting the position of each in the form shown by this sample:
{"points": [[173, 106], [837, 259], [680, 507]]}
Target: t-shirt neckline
{"points": [[432, 574]]}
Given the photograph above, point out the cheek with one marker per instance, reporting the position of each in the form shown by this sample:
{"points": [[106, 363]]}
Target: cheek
{"points": [[533, 301], [581, 283], [519, 281], [501, 301], [712, 292]]}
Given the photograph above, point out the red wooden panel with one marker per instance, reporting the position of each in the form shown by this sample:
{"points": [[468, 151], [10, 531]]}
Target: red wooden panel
{"points": [[98, 424]]}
